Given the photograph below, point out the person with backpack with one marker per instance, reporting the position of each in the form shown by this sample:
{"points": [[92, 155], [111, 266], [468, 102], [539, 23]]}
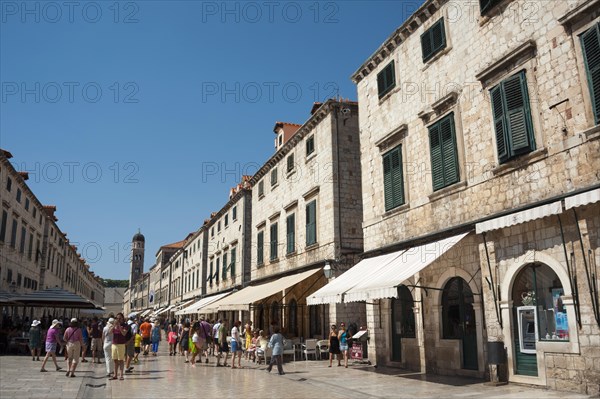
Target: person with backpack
{"points": [[95, 331], [155, 337]]}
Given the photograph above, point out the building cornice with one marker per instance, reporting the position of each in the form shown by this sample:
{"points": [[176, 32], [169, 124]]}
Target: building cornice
{"points": [[399, 36], [316, 118]]}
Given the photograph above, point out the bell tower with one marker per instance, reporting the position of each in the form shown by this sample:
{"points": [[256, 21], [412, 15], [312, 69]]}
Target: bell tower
{"points": [[137, 258]]}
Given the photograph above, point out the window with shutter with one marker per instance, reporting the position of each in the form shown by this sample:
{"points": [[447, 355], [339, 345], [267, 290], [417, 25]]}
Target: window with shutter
{"points": [[486, 5], [259, 248], [393, 184], [273, 177], [386, 79], [233, 259], [291, 233], [433, 40], [217, 270], [290, 163], [512, 117], [444, 156], [310, 145], [311, 223], [274, 241], [261, 188], [210, 276], [225, 266], [590, 43]]}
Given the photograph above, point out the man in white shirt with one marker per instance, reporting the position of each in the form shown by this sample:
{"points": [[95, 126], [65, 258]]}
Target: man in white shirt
{"points": [[216, 337], [236, 344]]}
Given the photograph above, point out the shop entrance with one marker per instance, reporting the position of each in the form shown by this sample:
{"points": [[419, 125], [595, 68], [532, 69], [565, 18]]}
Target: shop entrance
{"points": [[403, 321], [538, 314], [459, 319]]}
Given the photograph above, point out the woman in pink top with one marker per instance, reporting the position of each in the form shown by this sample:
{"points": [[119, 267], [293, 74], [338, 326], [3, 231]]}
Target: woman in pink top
{"points": [[74, 339], [52, 340]]}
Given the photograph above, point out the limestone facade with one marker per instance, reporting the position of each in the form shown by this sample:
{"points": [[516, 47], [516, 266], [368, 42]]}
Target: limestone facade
{"points": [[35, 253], [539, 41]]}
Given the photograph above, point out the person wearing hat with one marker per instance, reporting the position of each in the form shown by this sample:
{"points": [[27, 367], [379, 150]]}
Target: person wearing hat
{"points": [[53, 339], [35, 340], [74, 339], [107, 340]]}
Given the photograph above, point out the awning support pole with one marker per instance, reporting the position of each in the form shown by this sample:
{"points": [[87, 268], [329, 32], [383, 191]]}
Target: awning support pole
{"points": [[572, 276], [593, 293]]}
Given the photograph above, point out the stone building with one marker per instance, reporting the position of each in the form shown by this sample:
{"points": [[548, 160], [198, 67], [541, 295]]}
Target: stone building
{"points": [[480, 158], [34, 253], [305, 202]]}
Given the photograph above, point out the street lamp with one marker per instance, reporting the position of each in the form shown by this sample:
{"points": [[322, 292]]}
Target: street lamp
{"points": [[328, 270]]}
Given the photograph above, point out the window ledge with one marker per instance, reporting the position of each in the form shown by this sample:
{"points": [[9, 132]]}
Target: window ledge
{"points": [[274, 186], [311, 156], [520, 162], [312, 246], [395, 211], [585, 10], [592, 133], [290, 173], [390, 93], [261, 196], [291, 254], [492, 12], [274, 260], [449, 190], [436, 57]]}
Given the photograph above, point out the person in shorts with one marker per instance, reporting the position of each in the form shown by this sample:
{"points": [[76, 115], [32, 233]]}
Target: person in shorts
{"points": [[137, 346], [145, 331], [95, 332], [119, 331], [74, 338], [53, 338], [130, 346], [223, 348]]}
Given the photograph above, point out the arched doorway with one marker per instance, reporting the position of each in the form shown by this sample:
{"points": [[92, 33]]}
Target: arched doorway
{"points": [[403, 321], [315, 327], [458, 319], [538, 314], [275, 317]]}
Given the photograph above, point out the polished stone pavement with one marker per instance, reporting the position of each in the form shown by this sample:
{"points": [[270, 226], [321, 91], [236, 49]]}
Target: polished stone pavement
{"points": [[169, 377]]}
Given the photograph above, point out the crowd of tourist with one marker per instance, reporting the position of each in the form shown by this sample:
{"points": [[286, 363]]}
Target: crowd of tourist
{"points": [[120, 342]]}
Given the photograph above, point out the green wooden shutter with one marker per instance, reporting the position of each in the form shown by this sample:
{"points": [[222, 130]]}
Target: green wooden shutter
{"points": [[393, 184], [217, 270], [437, 163], [225, 266], [274, 241], [438, 36], [259, 248], [290, 230], [233, 259], [210, 277], [433, 40], [499, 124], [311, 223], [518, 115], [590, 43], [386, 79], [450, 155]]}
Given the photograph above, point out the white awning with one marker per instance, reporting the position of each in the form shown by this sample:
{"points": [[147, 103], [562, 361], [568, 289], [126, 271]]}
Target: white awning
{"points": [[384, 284], [332, 292], [165, 310], [146, 312], [241, 300], [589, 197], [519, 217], [156, 312], [196, 307]]}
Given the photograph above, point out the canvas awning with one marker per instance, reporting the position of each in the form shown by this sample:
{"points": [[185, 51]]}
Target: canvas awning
{"points": [[385, 283], [241, 300], [165, 310], [146, 312], [379, 277], [589, 197], [196, 307], [519, 217], [332, 292], [54, 297]]}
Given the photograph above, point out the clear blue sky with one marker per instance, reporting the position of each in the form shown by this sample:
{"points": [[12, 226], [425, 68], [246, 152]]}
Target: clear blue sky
{"points": [[123, 114]]}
